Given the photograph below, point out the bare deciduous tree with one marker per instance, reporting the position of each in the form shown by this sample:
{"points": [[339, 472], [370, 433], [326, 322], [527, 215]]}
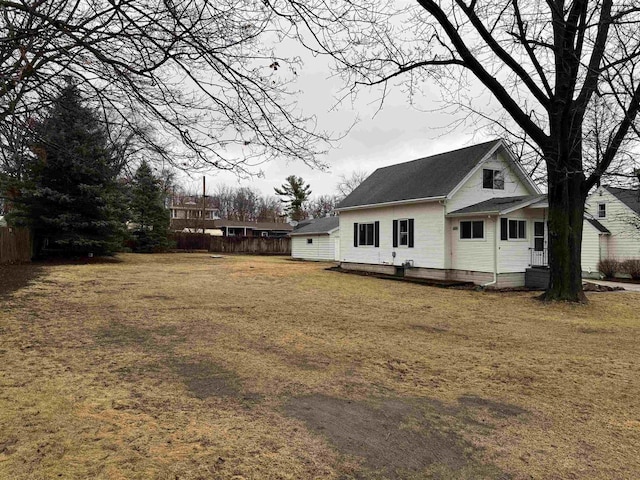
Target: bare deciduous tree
{"points": [[321, 206], [565, 73], [348, 183], [205, 73]]}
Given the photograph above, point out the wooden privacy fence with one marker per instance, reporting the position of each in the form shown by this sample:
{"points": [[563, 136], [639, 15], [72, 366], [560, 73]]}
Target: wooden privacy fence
{"points": [[15, 245], [254, 245], [191, 241]]}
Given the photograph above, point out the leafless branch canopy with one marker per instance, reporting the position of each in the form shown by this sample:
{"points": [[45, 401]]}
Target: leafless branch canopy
{"points": [[204, 72], [565, 72]]}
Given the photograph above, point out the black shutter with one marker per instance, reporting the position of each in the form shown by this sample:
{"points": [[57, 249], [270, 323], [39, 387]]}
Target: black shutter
{"points": [[411, 233], [395, 233], [355, 234], [376, 234], [504, 229]]}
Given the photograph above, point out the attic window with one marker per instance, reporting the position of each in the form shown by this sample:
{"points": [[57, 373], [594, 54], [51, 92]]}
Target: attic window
{"points": [[309, 241], [602, 210], [492, 179]]}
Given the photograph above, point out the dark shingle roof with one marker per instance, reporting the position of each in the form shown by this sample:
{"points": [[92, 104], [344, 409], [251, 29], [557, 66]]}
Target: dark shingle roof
{"points": [[319, 226], [631, 198], [598, 226], [428, 177], [254, 225], [499, 205]]}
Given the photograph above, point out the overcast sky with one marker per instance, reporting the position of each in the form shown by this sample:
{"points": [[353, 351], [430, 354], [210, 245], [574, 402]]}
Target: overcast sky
{"points": [[396, 133]]}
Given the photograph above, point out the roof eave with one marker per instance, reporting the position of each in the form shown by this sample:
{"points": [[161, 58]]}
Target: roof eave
{"points": [[392, 204], [303, 234], [474, 214]]}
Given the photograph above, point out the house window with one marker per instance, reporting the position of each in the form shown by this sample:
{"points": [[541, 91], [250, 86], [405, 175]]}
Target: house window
{"points": [[366, 234], [602, 210], [493, 179], [513, 229], [472, 230], [403, 232], [266, 234], [309, 241]]}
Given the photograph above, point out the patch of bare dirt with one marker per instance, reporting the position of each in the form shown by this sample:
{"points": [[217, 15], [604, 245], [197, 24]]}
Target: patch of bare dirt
{"points": [[205, 379], [400, 439], [15, 277]]}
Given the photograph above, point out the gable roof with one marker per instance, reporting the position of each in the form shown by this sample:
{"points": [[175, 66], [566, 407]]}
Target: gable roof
{"points": [[319, 226], [631, 198], [499, 205], [430, 178]]}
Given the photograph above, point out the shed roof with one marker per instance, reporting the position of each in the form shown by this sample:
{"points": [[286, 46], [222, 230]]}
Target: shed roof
{"points": [[434, 176], [499, 206], [319, 226], [597, 225]]}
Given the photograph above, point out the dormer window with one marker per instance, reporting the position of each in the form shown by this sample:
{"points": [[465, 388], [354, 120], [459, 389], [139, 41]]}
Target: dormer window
{"points": [[602, 210], [492, 179]]}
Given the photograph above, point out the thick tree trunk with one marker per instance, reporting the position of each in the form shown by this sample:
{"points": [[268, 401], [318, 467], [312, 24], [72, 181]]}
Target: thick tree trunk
{"points": [[566, 215]]}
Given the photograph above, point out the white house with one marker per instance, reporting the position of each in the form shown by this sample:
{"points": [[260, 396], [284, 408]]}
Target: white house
{"points": [[614, 214], [471, 214], [317, 240]]}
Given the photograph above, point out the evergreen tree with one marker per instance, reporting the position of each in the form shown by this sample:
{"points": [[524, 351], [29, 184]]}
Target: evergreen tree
{"points": [[69, 195], [148, 211], [296, 193]]}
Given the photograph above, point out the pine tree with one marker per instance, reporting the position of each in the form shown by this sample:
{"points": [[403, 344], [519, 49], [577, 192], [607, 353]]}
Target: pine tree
{"points": [[296, 193], [69, 196], [148, 212]]}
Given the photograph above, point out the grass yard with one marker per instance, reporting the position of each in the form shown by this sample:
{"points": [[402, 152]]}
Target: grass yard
{"points": [[183, 366]]}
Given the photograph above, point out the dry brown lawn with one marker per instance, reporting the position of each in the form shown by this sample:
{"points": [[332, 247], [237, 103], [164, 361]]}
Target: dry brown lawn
{"points": [[185, 367]]}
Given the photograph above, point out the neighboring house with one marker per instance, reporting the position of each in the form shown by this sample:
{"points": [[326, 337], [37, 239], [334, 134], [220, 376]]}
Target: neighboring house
{"points": [[614, 214], [187, 212], [318, 239], [234, 228], [471, 214]]}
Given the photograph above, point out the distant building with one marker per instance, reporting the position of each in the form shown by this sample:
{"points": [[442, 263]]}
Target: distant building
{"points": [[190, 208]]}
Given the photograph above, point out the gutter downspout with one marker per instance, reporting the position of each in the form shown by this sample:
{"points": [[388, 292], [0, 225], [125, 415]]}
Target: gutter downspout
{"points": [[495, 254]]}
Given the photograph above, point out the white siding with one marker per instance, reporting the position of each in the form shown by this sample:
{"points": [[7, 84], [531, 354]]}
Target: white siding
{"points": [[321, 248], [624, 241], [515, 255], [476, 255], [472, 192], [428, 251], [590, 248]]}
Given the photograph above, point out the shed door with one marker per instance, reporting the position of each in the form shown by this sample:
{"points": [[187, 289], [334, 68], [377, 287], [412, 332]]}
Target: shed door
{"points": [[336, 248]]}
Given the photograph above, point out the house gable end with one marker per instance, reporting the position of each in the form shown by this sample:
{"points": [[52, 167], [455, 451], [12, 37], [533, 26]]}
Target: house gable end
{"points": [[515, 181]]}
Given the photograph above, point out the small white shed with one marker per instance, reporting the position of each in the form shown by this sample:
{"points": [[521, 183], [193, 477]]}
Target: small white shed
{"points": [[318, 240]]}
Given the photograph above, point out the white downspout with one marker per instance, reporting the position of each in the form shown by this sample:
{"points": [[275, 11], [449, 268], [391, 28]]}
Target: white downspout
{"points": [[495, 254]]}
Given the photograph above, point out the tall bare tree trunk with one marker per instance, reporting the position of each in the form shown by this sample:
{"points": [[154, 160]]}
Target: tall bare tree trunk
{"points": [[566, 216]]}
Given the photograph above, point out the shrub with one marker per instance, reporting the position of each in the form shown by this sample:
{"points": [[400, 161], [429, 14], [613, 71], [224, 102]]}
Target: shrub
{"points": [[609, 267], [632, 267]]}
